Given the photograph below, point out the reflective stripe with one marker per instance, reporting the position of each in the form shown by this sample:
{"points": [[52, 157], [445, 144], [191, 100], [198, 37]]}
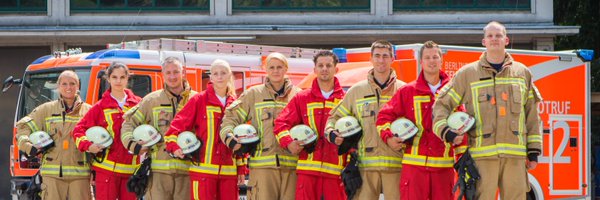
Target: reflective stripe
{"points": [[427, 161], [417, 101], [282, 134], [320, 166], [475, 95], [383, 127], [261, 161], [360, 104], [170, 138], [171, 164], [380, 161], [211, 131], [242, 113], [437, 127], [32, 126], [116, 167], [206, 168], [139, 116], [22, 138], [259, 107], [195, 187], [47, 169], [534, 139], [500, 148], [79, 139], [343, 110], [460, 149]]}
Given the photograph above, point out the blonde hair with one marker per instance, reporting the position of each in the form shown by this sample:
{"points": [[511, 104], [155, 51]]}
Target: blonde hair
{"points": [[230, 84], [278, 56], [68, 73], [494, 23]]}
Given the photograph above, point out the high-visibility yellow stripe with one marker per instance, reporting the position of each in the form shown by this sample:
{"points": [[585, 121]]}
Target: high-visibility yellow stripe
{"points": [[48, 169], [380, 161], [116, 167], [271, 161], [196, 187], [534, 139], [211, 131], [417, 104], [282, 134], [170, 164], [319, 166], [500, 148], [32, 126], [428, 161]]}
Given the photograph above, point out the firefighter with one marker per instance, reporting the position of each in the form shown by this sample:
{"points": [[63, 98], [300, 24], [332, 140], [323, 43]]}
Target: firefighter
{"points": [[319, 165], [427, 165], [169, 176], [216, 174], [64, 170], [380, 165], [115, 164], [500, 94], [272, 167]]}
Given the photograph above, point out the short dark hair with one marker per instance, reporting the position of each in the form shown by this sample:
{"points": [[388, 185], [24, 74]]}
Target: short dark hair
{"points": [[429, 45], [383, 44], [325, 54]]}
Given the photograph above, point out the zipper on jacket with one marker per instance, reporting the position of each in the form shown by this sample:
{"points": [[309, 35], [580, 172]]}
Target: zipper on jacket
{"points": [[377, 94], [173, 107]]}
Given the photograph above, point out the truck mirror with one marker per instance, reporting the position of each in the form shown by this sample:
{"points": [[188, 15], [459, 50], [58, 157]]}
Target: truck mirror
{"points": [[9, 83]]}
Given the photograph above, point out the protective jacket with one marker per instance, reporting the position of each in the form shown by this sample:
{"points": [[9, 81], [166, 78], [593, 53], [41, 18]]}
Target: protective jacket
{"points": [[503, 103], [414, 101], [363, 101], [54, 118], [309, 107], [202, 115], [107, 113], [157, 109], [261, 105]]}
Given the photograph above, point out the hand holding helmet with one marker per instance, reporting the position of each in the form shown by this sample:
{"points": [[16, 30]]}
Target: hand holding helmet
{"points": [[100, 137], [348, 128], [247, 136], [41, 141], [304, 138]]}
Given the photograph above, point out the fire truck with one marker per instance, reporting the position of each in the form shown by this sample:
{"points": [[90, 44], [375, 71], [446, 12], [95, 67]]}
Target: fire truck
{"points": [[562, 78], [39, 83]]}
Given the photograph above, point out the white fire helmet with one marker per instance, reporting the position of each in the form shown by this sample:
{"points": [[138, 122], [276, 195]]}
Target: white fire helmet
{"points": [[303, 133], [347, 126], [246, 134], [188, 142], [99, 135], [460, 122], [147, 134], [40, 139], [403, 128]]}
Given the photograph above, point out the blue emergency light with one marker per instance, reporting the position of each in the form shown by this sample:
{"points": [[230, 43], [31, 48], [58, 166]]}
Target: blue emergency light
{"points": [[586, 55]]}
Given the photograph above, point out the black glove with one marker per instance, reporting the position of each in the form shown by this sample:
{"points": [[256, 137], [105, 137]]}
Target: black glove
{"points": [[450, 135], [533, 157], [309, 148], [138, 182], [349, 143], [351, 176], [332, 137]]}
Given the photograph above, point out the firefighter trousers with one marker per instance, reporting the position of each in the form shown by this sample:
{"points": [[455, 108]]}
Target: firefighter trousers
{"points": [[168, 186], [311, 187], [208, 188], [110, 186], [422, 183], [60, 188], [508, 174], [269, 183], [376, 182]]}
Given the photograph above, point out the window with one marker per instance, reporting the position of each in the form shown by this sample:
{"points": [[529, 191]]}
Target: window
{"points": [[138, 5], [140, 85], [41, 87], [23, 5], [462, 4], [301, 5]]}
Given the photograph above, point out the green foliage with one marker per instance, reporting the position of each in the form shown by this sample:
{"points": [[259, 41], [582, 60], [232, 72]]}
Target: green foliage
{"points": [[584, 13]]}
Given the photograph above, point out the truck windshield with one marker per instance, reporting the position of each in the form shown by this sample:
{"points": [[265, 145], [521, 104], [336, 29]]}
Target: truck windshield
{"points": [[41, 87]]}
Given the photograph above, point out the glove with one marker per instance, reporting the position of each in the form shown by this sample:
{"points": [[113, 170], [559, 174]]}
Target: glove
{"points": [[351, 176], [138, 182], [309, 148], [35, 187], [349, 143], [450, 135]]}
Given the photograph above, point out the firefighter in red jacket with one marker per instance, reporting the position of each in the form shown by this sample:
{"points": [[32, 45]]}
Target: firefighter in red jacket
{"points": [[216, 174], [427, 165], [117, 163], [318, 169]]}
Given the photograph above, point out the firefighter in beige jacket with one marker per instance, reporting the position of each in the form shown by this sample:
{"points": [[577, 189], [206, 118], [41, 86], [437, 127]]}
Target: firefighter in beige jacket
{"points": [[272, 169], [169, 178], [379, 166], [499, 93], [65, 171]]}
